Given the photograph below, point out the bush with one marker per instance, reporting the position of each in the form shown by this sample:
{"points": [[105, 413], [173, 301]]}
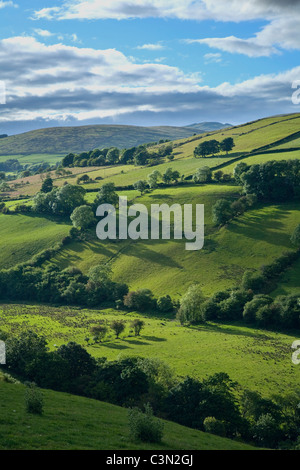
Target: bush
{"points": [[34, 400], [214, 426], [144, 426]]}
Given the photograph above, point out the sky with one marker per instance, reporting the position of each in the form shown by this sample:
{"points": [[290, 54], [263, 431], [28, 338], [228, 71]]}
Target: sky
{"points": [[146, 62]]}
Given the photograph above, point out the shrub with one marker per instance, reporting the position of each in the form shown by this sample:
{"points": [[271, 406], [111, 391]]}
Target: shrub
{"points": [[34, 400], [214, 426], [144, 426]]}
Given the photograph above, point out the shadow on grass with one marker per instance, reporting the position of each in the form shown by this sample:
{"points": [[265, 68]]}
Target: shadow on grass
{"points": [[136, 341], [264, 226], [154, 338], [243, 329], [115, 346]]}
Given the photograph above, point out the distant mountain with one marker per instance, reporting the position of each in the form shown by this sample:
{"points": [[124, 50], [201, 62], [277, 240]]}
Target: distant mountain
{"points": [[63, 140], [208, 126]]}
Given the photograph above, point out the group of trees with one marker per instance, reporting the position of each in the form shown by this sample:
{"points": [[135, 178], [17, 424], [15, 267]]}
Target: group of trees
{"points": [[139, 155], [249, 302], [155, 178], [270, 181], [225, 210], [213, 147], [211, 404]]}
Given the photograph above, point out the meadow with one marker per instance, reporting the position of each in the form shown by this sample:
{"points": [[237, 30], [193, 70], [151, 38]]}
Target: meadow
{"points": [[23, 236], [70, 422], [254, 239], [256, 359]]}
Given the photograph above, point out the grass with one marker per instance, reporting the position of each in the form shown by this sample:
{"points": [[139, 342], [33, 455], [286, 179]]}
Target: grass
{"points": [[76, 423], [34, 159], [166, 267], [262, 158], [63, 140], [257, 359], [24, 236]]}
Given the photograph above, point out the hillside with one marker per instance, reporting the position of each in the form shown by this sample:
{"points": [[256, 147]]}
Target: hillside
{"points": [[76, 423], [63, 140]]}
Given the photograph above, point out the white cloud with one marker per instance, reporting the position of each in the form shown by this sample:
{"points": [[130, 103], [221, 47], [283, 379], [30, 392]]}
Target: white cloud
{"points": [[62, 83], [213, 57], [249, 47], [4, 4], [225, 10], [151, 47], [43, 33]]}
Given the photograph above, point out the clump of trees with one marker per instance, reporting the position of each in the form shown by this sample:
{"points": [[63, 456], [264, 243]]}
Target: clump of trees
{"points": [[213, 147], [276, 181], [139, 155]]}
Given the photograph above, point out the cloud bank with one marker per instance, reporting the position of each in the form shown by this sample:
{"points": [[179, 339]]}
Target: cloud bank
{"points": [[61, 84]]}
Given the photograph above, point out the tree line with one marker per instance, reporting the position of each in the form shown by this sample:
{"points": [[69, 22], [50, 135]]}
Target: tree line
{"points": [[214, 404], [139, 155]]}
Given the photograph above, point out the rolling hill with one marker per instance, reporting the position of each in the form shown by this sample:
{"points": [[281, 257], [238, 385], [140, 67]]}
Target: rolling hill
{"points": [[63, 140], [76, 423]]}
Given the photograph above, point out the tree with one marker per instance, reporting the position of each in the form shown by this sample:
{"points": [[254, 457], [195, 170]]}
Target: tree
{"points": [[127, 156], [153, 179], [141, 186], [112, 156], [218, 175], [295, 238], [106, 195], [227, 145], [239, 169], [68, 160], [118, 326], [191, 305], [221, 212], [67, 198], [82, 217], [47, 185], [165, 304], [141, 300], [203, 175], [137, 325], [99, 332], [141, 156], [83, 179]]}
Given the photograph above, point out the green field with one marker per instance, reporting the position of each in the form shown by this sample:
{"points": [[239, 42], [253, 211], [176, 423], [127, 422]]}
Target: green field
{"points": [[262, 158], [256, 238], [23, 236], [257, 359], [34, 159], [75, 423]]}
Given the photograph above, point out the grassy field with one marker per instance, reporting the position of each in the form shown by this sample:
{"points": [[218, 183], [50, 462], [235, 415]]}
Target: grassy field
{"points": [[34, 159], [256, 238], [262, 158], [257, 359], [289, 281], [63, 140], [24, 236], [75, 423]]}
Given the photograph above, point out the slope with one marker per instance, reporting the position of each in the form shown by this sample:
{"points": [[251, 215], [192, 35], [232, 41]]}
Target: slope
{"points": [[76, 423]]}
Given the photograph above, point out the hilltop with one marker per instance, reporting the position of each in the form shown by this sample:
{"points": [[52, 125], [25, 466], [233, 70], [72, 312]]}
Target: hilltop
{"points": [[63, 140]]}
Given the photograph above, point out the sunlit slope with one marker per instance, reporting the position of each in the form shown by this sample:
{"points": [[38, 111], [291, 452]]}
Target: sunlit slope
{"points": [[166, 267], [24, 236], [70, 422]]}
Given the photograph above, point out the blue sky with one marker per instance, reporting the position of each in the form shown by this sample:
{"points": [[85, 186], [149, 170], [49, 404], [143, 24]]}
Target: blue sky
{"points": [[146, 62]]}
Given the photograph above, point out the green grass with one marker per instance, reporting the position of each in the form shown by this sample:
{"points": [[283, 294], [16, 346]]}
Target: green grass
{"points": [[257, 359], [262, 158], [24, 236], [165, 267], [76, 423], [63, 140], [34, 159], [289, 281]]}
